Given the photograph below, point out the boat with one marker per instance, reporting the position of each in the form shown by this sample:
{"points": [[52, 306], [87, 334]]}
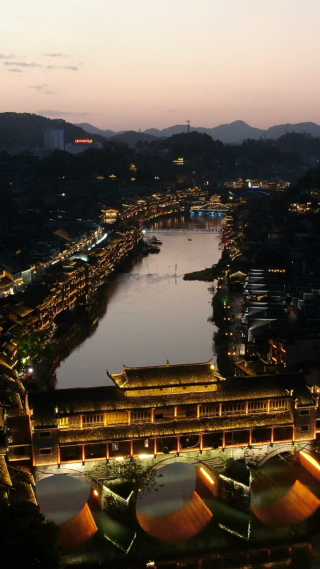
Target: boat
{"points": [[189, 239], [153, 249], [155, 241]]}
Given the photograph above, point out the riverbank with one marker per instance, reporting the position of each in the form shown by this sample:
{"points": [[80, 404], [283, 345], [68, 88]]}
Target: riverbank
{"points": [[71, 284], [206, 275]]}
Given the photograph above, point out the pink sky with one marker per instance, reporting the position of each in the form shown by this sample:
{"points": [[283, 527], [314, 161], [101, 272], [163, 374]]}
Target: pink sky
{"points": [[130, 64]]}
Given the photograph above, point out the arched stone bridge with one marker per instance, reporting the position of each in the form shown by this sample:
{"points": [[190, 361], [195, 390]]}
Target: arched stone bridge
{"points": [[213, 460]]}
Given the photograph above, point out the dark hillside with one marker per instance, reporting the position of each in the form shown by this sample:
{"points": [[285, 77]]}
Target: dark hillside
{"points": [[25, 130]]}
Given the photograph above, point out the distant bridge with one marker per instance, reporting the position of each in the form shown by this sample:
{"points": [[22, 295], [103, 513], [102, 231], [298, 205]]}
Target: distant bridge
{"points": [[174, 231], [255, 191], [210, 209]]}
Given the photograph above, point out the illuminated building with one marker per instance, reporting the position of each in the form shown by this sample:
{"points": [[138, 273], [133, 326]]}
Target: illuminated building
{"points": [[109, 215], [80, 145], [169, 409], [54, 139]]}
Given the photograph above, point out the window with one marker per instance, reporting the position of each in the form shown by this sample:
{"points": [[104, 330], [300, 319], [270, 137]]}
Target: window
{"points": [[92, 420], [43, 451], [95, 451], [304, 412], [237, 438], [158, 415], [282, 434], [142, 446], [19, 451], [304, 428], [140, 416], [278, 405], [69, 422], [207, 410], [258, 407], [116, 417], [164, 413], [44, 434], [71, 453], [234, 409], [262, 435]]}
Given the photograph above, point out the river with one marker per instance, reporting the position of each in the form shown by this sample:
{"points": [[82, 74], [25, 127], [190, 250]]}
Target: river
{"points": [[152, 314]]}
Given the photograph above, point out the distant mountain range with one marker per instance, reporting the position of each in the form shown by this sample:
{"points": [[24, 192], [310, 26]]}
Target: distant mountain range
{"points": [[23, 131], [233, 133]]}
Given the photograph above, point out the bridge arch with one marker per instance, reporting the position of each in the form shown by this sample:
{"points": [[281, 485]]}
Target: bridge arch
{"points": [[285, 449], [254, 192]]}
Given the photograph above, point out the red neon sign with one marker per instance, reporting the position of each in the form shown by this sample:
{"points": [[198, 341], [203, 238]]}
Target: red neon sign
{"points": [[83, 140]]}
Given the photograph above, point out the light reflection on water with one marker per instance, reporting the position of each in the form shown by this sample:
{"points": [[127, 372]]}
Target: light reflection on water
{"points": [[152, 313], [175, 488]]}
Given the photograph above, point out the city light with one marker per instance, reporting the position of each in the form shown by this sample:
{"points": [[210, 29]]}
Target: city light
{"points": [[102, 238], [310, 459], [119, 458], [96, 493], [206, 475]]}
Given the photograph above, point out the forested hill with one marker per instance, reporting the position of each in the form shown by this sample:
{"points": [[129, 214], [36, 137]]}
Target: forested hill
{"points": [[26, 130]]}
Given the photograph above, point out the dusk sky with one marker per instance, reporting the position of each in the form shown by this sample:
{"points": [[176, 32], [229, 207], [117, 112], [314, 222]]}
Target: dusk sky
{"points": [[130, 64]]}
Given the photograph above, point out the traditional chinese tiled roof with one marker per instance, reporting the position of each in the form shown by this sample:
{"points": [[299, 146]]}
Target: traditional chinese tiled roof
{"points": [[23, 484], [5, 479], [182, 374], [48, 406], [187, 426], [19, 428], [21, 310]]}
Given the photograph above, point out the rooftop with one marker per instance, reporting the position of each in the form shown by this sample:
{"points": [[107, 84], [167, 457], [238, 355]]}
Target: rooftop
{"points": [[48, 406], [155, 376]]}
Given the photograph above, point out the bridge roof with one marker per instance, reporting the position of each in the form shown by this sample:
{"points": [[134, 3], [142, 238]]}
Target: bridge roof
{"points": [[47, 406], [187, 426], [165, 375]]}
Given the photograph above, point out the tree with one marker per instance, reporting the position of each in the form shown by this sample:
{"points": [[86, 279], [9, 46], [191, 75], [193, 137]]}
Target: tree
{"points": [[131, 471], [31, 346], [28, 540]]}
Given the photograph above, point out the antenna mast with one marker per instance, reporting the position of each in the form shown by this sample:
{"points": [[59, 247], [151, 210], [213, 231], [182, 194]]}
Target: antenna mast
{"points": [[188, 126]]}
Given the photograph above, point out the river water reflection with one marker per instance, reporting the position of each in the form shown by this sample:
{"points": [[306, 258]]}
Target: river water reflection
{"points": [[152, 315]]}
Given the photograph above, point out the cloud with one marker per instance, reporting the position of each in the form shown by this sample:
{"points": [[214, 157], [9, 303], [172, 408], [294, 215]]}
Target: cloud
{"points": [[52, 113], [38, 87], [170, 110], [55, 55], [15, 71], [21, 64], [68, 67], [2, 56], [49, 93]]}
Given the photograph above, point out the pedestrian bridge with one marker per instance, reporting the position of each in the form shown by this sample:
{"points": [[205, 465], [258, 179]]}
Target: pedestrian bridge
{"points": [[210, 209], [177, 231]]}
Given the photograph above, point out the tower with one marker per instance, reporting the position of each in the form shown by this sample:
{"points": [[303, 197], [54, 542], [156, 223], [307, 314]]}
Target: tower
{"points": [[54, 139]]}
